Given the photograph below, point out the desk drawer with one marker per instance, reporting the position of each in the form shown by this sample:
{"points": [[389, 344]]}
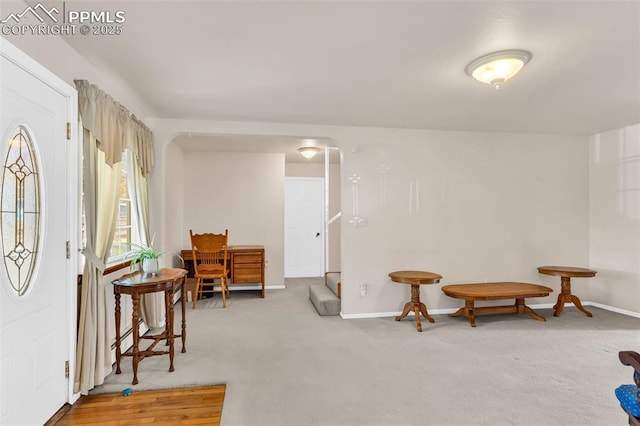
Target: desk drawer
{"points": [[247, 274], [255, 258]]}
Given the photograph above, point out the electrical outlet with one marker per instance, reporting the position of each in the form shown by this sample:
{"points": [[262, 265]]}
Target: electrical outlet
{"points": [[363, 289]]}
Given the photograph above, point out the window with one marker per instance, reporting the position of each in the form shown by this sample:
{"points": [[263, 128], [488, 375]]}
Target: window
{"points": [[124, 233], [122, 238], [20, 210]]}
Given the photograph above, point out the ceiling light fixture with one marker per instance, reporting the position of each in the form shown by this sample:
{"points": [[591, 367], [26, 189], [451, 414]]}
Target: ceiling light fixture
{"points": [[308, 152], [498, 67]]}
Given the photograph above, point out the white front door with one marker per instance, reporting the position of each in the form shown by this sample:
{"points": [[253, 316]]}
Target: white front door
{"points": [[304, 227], [35, 275]]}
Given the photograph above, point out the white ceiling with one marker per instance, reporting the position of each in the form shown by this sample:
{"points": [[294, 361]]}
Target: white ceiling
{"points": [[382, 64]]}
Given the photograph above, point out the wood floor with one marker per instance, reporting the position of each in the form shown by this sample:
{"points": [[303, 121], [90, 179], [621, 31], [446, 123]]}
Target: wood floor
{"points": [[180, 406]]}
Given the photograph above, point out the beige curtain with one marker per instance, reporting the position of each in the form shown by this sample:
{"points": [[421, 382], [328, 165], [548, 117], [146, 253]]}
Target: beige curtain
{"points": [[108, 129], [114, 126], [151, 305], [101, 183]]}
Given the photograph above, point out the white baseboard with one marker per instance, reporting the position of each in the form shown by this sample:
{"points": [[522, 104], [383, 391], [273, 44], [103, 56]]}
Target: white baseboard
{"points": [[614, 309], [255, 287], [240, 287], [447, 311], [549, 305], [369, 315]]}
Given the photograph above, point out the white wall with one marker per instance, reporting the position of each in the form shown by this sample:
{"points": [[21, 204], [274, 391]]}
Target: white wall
{"points": [[473, 207], [614, 207], [174, 235], [241, 192], [493, 206]]}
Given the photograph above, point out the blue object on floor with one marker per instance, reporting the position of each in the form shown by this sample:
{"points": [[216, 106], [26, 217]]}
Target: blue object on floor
{"points": [[627, 395], [126, 392]]}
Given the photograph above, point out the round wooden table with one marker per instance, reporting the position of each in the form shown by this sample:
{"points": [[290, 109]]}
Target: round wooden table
{"points": [[566, 273], [415, 279]]}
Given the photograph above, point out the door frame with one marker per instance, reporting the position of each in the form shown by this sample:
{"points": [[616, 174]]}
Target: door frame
{"points": [[11, 53], [323, 221]]}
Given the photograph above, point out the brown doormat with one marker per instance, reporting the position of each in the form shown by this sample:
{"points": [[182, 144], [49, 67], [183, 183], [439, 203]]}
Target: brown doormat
{"points": [[197, 405]]}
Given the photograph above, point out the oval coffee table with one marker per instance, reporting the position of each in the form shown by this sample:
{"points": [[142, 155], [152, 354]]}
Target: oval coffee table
{"points": [[565, 296], [493, 291], [415, 279]]}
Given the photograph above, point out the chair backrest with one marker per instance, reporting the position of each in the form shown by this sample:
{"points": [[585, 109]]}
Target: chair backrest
{"points": [[209, 250]]}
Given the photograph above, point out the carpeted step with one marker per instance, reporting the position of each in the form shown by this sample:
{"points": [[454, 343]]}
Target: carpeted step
{"points": [[323, 299]]}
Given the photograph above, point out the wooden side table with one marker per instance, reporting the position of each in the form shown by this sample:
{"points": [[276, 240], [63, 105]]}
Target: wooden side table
{"points": [[135, 284], [415, 279], [565, 296]]}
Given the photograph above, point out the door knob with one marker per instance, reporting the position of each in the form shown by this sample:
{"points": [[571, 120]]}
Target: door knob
{"points": [[317, 234]]}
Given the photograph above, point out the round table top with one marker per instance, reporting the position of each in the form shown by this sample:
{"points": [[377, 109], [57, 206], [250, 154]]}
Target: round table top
{"points": [[566, 271], [139, 278], [415, 277]]}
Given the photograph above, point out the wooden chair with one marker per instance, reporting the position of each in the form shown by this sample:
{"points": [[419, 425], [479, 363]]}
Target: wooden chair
{"points": [[210, 262], [629, 395]]}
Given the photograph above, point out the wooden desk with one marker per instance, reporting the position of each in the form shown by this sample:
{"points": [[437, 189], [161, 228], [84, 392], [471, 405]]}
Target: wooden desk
{"points": [[493, 291], [167, 280], [415, 279], [565, 296], [247, 264]]}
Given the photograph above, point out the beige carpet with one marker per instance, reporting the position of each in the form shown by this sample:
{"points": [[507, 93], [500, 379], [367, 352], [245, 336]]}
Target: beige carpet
{"points": [[285, 365]]}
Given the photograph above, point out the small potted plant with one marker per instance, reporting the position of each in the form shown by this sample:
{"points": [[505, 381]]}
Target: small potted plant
{"points": [[148, 257]]}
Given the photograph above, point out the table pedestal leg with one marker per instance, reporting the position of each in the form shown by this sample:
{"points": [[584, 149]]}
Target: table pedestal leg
{"points": [[168, 297], [469, 307], [423, 311], [468, 312], [521, 308], [416, 306], [565, 296], [578, 304], [405, 311], [183, 300], [118, 339], [135, 352], [416, 311]]}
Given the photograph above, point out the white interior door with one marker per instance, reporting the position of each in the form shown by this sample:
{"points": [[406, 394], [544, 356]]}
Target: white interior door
{"points": [[35, 275], [304, 227]]}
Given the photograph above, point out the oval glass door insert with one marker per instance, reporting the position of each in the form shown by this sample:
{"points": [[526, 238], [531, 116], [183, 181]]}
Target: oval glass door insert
{"points": [[20, 214]]}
